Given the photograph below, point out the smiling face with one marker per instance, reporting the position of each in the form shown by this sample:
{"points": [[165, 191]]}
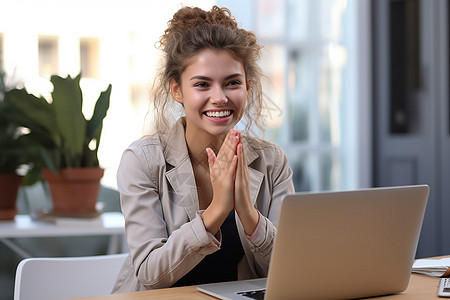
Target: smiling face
{"points": [[213, 91]]}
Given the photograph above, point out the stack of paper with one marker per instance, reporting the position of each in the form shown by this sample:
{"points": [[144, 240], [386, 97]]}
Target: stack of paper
{"points": [[71, 220], [432, 267]]}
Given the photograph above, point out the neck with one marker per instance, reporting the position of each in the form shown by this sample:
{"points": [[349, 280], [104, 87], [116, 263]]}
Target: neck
{"points": [[197, 142]]}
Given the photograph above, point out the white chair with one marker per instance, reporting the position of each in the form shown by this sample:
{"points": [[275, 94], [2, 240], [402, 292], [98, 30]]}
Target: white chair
{"points": [[66, 277]]}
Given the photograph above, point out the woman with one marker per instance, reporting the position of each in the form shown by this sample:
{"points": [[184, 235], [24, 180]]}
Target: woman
{"points": [[200, 199]]}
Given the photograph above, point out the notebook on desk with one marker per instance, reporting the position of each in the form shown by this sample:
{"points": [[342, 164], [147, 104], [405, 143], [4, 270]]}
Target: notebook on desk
{"points": [[339, 245]]}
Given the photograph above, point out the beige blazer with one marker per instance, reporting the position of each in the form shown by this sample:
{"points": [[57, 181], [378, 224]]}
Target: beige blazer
{"points": [[164, 228]]}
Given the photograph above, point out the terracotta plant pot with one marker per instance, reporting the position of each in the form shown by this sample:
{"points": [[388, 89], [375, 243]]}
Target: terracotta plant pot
{"points": [[9, 187], [74, 191]]}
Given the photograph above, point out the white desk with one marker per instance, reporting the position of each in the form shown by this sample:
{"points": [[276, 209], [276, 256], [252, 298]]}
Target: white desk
{"points": [[23, 226]]}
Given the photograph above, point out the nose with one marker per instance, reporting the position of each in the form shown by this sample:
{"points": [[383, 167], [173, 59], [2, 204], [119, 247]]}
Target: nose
{"points": [[218, 96]]}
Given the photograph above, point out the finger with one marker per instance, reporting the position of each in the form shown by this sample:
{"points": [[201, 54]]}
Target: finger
{"points": [[228, 148], [234, 163], [242, 168], [240, 148], [234, 166], [241, 153], [211, 157], [239, 134], [237, 173]]}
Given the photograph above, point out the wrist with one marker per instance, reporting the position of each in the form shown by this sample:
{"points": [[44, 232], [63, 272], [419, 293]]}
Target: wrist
{"points": [[249, 219], [214, 216]]}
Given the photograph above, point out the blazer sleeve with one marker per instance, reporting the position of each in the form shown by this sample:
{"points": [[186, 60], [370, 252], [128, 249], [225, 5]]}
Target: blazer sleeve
{"points": [[263, 238], [158, 260]]}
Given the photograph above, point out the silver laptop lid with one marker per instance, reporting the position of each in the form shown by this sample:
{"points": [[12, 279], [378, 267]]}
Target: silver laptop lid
{"points": [[343, 245]]}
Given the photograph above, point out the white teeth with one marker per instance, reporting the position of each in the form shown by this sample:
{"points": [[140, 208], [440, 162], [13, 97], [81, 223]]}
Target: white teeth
{"points": [[218, 114]]}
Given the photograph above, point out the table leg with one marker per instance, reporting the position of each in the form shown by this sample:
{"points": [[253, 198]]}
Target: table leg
{"points": [[16, 248]]}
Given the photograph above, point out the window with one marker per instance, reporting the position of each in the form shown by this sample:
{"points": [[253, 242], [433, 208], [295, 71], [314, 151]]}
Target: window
{"points": [[309, 55], [48, 56], [89, 57]]}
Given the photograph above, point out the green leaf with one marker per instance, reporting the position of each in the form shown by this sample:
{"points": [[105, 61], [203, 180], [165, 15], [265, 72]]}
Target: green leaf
{"points": [[33, 176], [95, 124], [68, 102], [29, 111], [20, 109]]}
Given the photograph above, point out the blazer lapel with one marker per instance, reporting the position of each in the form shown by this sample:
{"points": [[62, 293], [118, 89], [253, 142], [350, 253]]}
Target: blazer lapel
{"points": [[182, 180], [181, 176], [256, 177]]}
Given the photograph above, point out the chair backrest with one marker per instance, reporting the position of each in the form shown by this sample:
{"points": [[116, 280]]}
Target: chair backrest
{"points": [[66, 277]]}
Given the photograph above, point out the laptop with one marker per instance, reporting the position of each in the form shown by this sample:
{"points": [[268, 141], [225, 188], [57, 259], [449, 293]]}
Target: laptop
{"points": [[339, 245]]}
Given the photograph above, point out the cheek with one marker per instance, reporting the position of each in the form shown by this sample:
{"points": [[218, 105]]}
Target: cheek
{"points": [[193, 102], [241, 100], [241, 103]]}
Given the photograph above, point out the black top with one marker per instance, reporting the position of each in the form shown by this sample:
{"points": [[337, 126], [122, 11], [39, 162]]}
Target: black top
{"points": [[221, 265]]}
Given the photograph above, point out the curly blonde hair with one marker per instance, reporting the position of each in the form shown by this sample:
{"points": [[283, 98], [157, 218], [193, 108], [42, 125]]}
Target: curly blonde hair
{"points": [[190, 31]]}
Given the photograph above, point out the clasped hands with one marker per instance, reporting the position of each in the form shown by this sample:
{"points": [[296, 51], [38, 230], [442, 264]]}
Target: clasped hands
{"points": [[230, 182]]}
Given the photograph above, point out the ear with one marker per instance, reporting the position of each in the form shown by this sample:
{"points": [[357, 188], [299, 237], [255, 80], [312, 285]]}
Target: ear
{"points": [[175, 90]]}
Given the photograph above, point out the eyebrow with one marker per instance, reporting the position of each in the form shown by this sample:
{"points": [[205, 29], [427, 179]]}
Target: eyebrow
{"points": [[209, 79]]}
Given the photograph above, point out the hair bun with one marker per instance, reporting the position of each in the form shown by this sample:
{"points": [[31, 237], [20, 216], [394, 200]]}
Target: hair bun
{"points": [[187, 18]]}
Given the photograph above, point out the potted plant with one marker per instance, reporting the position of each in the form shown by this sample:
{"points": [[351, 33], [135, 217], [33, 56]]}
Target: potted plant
{"points": [[16, 155], [66, 141], [10, 159]]}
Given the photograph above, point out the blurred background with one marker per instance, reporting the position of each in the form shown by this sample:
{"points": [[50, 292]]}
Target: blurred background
{"points": [[310, 56], [357, 94]]}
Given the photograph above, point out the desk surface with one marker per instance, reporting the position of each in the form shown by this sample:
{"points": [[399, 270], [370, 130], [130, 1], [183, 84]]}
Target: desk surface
{"points": [[25, 226], [421, 287]]}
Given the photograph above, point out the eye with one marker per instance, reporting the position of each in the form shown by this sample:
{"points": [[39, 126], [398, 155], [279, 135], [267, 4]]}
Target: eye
{"points": [[234, 82], [201, 84]]}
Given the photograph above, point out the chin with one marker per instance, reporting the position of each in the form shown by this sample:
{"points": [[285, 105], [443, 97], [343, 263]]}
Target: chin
{"points": [[219, 130]]}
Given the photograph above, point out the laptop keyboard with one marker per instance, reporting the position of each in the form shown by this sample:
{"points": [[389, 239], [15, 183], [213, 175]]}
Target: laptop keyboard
{"points": [[258, 294]]}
